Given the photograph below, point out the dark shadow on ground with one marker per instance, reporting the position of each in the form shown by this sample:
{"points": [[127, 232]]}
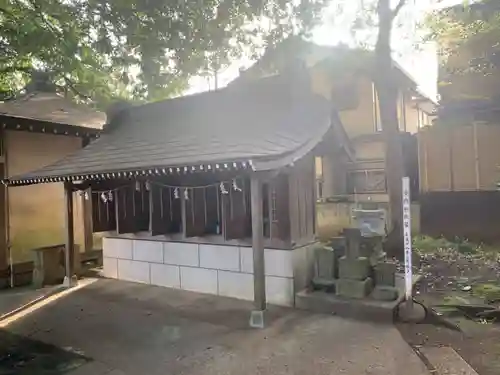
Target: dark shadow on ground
{"points": [[23, 356]]}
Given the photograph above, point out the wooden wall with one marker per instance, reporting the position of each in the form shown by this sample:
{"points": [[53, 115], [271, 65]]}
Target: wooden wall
{"points": [[461, 158], [361, 119], [37, 211], [459, 171], [302, 201]]}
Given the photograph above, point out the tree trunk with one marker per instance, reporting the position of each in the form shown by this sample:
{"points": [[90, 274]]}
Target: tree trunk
{"points": [[387, 90]]}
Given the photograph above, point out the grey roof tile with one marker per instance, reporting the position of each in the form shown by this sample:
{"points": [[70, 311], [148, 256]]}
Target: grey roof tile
{"points": [[263, 121], [52, 107]]}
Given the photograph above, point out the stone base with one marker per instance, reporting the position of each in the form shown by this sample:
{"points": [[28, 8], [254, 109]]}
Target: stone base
{"points": [[362, 309], [354, 269], [385, 293], [70, 282], [328, 285], [325, 263], [354, 288], [257, 319], [385, 273], [410, 312]]}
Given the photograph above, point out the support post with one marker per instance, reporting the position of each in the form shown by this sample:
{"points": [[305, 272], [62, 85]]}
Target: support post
{"points": [[259, 278], [69, 249], [88, 239]]}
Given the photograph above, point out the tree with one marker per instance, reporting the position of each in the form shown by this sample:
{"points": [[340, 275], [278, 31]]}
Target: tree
{"points": [[140, 49], [476, 26], [378, 18], [468, 36], [387, 91]]}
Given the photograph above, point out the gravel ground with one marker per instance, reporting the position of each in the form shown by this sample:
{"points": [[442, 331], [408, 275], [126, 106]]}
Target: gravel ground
{"points": [[458, 274]]}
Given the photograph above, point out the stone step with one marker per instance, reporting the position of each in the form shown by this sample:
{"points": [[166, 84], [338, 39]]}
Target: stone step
{"points": [[446, 361]]}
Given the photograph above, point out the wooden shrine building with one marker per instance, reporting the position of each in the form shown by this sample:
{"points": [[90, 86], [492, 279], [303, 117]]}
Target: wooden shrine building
{"points": [[212, 192], [39, 127]]}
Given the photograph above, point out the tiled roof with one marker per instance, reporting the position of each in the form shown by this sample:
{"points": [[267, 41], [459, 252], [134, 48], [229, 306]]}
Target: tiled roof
{"points": [[271, 122], [340, 57], [52, 107]]}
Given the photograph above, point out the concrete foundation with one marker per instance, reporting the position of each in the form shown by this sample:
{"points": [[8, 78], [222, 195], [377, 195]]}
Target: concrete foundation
{"points": [[361, 309], [222, 270]]}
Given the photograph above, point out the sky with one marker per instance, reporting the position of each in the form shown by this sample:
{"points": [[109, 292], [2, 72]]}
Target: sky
{"points": [[421, 62]]}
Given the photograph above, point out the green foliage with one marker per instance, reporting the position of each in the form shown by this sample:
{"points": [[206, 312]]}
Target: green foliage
{"points": [[490, 292], [428, 245], [476, 26], [139, 49], [425, 244]]}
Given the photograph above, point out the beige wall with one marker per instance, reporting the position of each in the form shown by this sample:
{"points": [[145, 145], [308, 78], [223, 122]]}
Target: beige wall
{"points": [[459, 158], [37, 211]]}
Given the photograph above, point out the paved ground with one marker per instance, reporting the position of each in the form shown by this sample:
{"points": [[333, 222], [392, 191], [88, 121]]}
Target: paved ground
{"points": [[130, 329], [11, 299]]}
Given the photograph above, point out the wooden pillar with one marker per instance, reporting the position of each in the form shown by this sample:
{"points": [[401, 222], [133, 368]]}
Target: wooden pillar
{"points": [[69, 249], [88, 238], [259, 279]]}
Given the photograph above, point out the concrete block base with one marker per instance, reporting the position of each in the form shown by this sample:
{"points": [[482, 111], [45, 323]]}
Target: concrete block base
{"points": [[354, 269], [354, 288], [367, 309], [385, 293], [257, 319], [219, 270], [361, 309], [70, 282]]}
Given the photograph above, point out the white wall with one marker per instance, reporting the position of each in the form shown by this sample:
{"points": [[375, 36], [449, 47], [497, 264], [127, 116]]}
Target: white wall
{"points": [[220, 270]]}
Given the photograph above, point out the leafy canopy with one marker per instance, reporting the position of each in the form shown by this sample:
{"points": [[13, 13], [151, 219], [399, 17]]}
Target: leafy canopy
{"points": [[474, 26], [137, 49]]}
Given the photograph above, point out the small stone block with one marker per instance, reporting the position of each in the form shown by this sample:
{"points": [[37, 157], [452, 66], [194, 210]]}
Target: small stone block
{"points": [[328, 285], [385, 293], [385, 274], [325, 263], [257, 319], [354, 269], [354, 288]]}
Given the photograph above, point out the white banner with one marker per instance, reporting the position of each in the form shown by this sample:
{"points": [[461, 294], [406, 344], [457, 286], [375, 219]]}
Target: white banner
{"points": [[407, 237]]}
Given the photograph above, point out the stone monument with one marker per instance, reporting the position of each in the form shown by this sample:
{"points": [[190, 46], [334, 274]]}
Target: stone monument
{"points": [[357, 267]]}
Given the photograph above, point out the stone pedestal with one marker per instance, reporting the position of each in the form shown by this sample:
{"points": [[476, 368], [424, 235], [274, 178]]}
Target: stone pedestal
{"points": [[385, 293], [257, 319], [325, 266], [354, 280], [385, 274], [354, 288], [354, 268]]}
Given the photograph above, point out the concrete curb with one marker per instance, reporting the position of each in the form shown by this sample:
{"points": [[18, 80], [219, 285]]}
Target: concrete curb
{"points": [[50, 293], [444, 360]]}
